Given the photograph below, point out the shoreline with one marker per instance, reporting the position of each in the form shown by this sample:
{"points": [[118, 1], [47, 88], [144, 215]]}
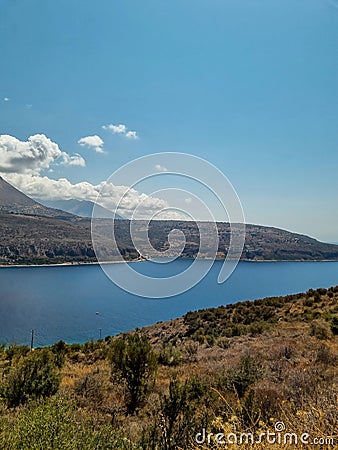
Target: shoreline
{"points": [[66, 264], [95, 263]]}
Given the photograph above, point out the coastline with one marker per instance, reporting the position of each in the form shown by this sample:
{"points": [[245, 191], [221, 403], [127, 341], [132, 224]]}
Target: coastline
{"points": [[68, 264], [96, 263]]}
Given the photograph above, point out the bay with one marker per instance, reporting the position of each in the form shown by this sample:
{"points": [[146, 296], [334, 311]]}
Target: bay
{"points": [[74, 303]]}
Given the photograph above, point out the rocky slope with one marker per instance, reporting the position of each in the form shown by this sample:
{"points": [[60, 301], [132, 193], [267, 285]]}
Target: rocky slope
{"points": [[14, 201], [31, 233], [42, 240]]}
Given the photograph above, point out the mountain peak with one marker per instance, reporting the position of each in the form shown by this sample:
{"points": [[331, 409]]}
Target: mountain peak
{"points": [[10, 196], [14, 201], [82, 208]]}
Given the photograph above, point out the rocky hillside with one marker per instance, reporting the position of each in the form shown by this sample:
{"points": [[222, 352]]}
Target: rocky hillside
{"points": [[30, 239], [14, 201], [261, 243], [224, 324], [42, 240], [31, 233]]}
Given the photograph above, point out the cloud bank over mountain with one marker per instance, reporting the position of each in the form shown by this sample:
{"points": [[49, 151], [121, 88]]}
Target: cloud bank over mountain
{"points": [[25, 164]]}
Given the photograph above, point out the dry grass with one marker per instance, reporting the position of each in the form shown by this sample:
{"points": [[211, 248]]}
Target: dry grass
{"points": [[238, 384]]}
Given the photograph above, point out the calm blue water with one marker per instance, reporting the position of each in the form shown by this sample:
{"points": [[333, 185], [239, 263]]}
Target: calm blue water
{"points": [[62, 302]]}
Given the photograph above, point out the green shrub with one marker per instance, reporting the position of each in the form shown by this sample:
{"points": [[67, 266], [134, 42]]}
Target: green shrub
{"points": [[173, 408], [169, 356], [316, 297], [308, 302], [334, 325], [30, 376], [75, 347], [245, 375], [15, 350], [135, 362], [320, 329], [54, 424], [60, 350], [177, 415]]}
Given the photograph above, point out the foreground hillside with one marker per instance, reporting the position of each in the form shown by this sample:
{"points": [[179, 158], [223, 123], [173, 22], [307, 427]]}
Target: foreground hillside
{"points": [[268, 366]]}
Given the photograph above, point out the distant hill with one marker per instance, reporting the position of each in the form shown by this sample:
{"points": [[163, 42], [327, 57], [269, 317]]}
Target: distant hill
{"points": [[28, 239], [14, 201], [82, 208], [261, 243], [32, 233]]}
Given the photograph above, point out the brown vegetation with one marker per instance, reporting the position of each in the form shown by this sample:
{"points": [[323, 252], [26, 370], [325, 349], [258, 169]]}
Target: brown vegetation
{"points": [[235, 369]]}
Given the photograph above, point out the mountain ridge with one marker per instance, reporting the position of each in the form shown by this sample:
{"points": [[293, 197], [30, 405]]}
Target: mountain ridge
{"points": [[13, 201], [31, 233], [81, 208]]}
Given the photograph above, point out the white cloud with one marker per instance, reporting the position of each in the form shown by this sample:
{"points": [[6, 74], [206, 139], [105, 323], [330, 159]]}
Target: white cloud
{"points": [[131, 135], [72, 160], [160, 168], [33, 156], [116, 129], [94, 142], [121, 129], [62, 189]]}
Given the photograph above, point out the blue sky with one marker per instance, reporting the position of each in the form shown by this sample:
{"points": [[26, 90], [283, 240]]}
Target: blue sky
{"points": [[251, 86]]}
